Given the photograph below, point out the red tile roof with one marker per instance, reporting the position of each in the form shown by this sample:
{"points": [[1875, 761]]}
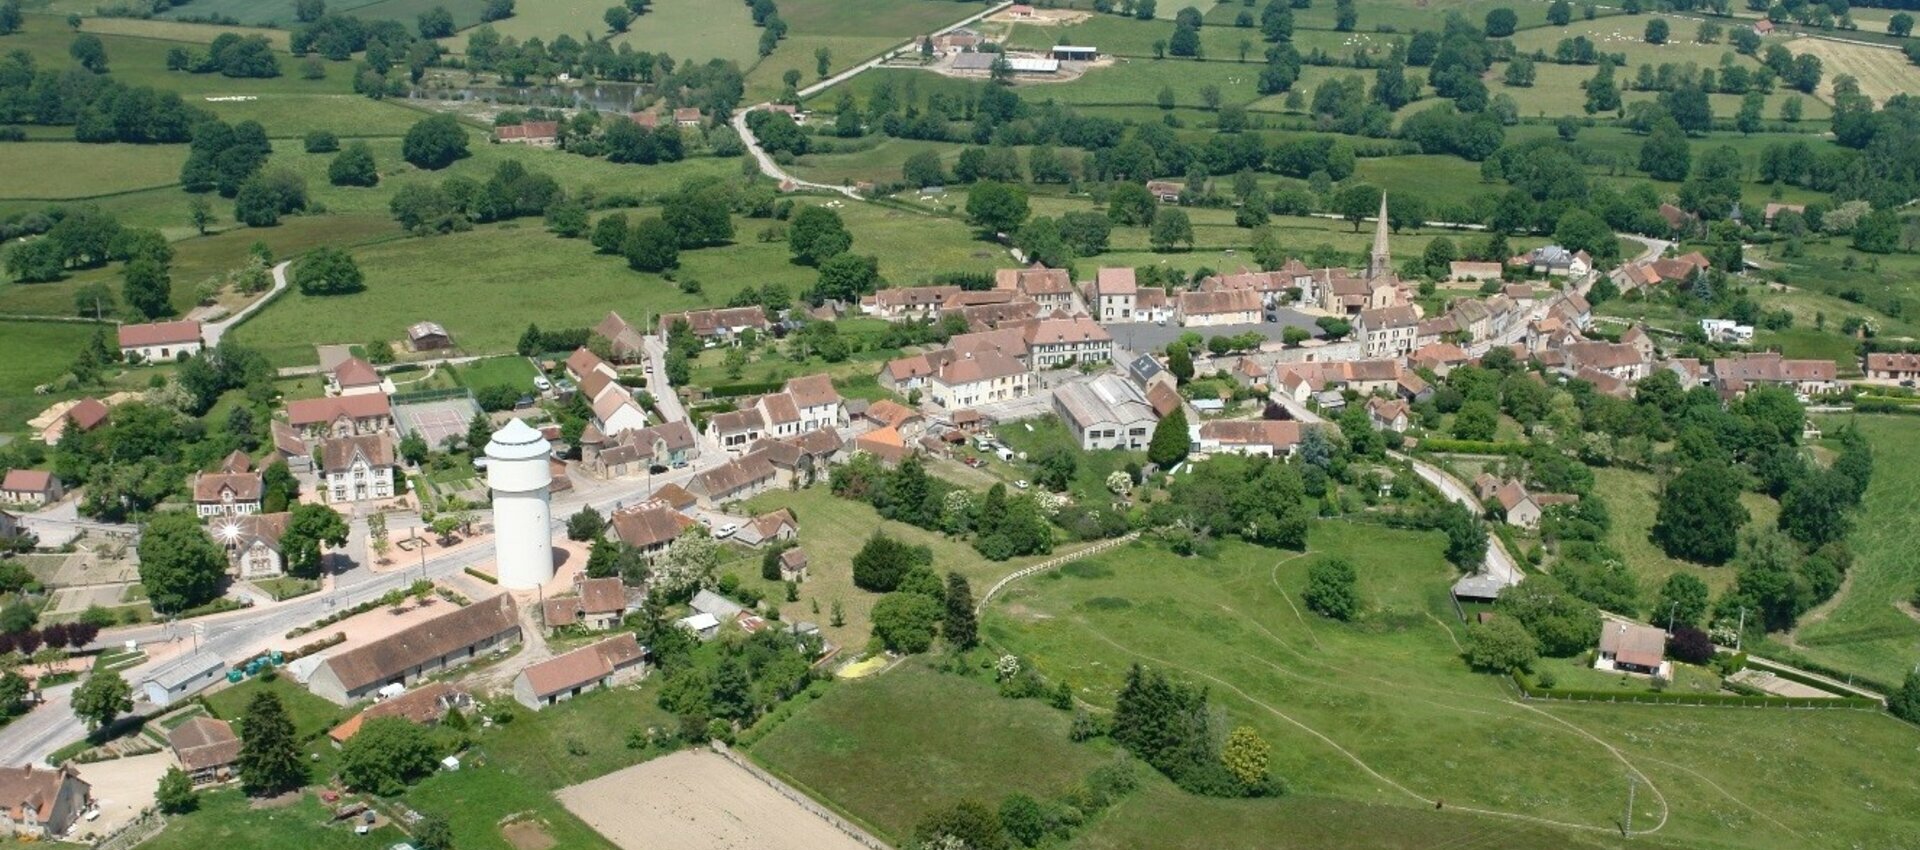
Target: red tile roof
{"points": [[159, 333]]}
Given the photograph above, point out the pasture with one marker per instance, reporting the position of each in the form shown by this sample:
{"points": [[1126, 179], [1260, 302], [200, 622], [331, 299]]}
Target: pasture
{"points": [[141, 60], [191, 33], [1882, 71], [345, 115], [279, 13], [1871, 626], [74, 170], [1383, 710], [33, 353], [1634, 499], [689, 30], [852, 31]]}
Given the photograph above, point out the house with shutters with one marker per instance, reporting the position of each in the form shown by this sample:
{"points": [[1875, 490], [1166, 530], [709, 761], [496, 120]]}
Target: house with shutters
{"points": [[1890, 366], [235, 493], [967, 381], [1219, 307], [1111, 295], [1261, 437], [355, 469], [1388, 331], [908, 303], [340, 416], [649, 528], [733, 481], [252, 543], [39, 803], [30, 488], [1050, 289], [355, 376], [817, 402], [721, 326], [160, 341], [1056, 342], [735, 430]]}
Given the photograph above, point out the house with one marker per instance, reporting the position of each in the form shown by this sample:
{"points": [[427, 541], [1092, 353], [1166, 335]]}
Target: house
{"points": [[1681, 268], [1388, 331], [803, 458], [610, 662], [624, 341], [417, 651], [887, 413], [1105, 412], [40, 803], [355, 376], [1439, 357], [30, 487], [1051, 289], [1804, 377], [227, 493], [1011, 341], [340, 416], [615, 411], [252, 542], [793, 564], [818, 403], [428, 336], [773, 527], [686, 116], [600, 604], [159, 341], [1726, 331], [288, 448], [1263, 437], [1559, 262], [732, 481], [1165, 191], [1150, 304], [426, 705], [206, 749], [583, 362], [1468, 270], [1054, 343], [1763, 27], [539, 134], [1388, 414], [649, 528], [908, 303], [1517, 505], [1219, 307], [671, 444], [718, 327], [906, 374], [1111, 297], [357, 468], [183, 677], [972, 380], [1148, 373], [1633, 648], [734, 430], [84, 416], [1887, 366]]}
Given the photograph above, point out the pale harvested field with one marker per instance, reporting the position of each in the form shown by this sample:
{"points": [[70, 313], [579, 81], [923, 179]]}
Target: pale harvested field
{"points": [[1882, 71], [696, 800]]}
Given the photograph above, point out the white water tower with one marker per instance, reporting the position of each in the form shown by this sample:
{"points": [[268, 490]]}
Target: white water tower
{"points": [[522, 521]]}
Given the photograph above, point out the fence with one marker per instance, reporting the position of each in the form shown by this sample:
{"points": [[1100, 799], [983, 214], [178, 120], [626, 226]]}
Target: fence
{"points": [[1075, 555], [1531, 691], [422, 396], [862, 836], [146, 826]]}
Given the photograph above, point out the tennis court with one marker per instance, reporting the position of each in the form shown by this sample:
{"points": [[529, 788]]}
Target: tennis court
{"points": [[437, 419]]}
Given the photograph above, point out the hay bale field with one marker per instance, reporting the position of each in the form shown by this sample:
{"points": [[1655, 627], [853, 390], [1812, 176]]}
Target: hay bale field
{"points": [[1882, 71]]}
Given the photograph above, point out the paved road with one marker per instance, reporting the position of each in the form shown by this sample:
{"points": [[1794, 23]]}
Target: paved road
{"points": [[768, 166], [213, 331], [850, 73], [1499, 563]]}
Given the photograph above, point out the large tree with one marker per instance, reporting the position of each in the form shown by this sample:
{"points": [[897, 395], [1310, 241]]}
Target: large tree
{"points": [[996, 207], [1170, 441], [328, 271], [387, 755], [1331, 589], [354, 167], [1700, 514], [311, 527], [960, 627], [652, 246], [103, 697], [1682, 600], [435, 142], [1501, 646], [180, 566], [176, 796], [815, 234], [269, 760], [146, 286]]}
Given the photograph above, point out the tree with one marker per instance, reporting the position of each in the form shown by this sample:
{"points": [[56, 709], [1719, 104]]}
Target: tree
{"points": [[11, 18], [175, 795], [967, 824], [148, 288], [1905, 703], [1682, 600], [585, 524], [309, 528], [1331, 589], [1170, 440], [618, 18], [200, 212], [882, 562], [435, 142], [1356, 203], [1085, 232], [1180, 361], [923, 169], [354, 167], [1477, 420], [1690, 645], [846, 277], [1246, 756], [1131, 204], [822, 60], [1700, 514], [14, 687], [1665, 155], [1466, 537], [1501, 645], [433, 832], [436, 23], [906, 622], [308, 11], [328, 271], [959, 627], [1657, 31], [1900, 25], [1502, 22], [387, 755], [101, 698], [652, 246], [609, 233], [87, 50], [1560, 13], [180, 566], [815, 234], [996, 207], [1171, 228], [1814, 508]]}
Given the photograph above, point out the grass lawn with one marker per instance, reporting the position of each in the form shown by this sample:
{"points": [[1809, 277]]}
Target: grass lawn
{"points": [[311, 715], [852, 31], [832, 530], [1139, 81], [1089, 485], [1634, 498], [1865, 629], [33, 353], [288, 587], [690, 30], [345, 115], [848, 746], [70, 170], [466, 13], [515, 372], [1389, 692], [227, 818]]}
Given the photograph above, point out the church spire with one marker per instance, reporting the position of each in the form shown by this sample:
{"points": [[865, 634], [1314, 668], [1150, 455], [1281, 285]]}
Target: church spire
{"points": [[1380, 261]]}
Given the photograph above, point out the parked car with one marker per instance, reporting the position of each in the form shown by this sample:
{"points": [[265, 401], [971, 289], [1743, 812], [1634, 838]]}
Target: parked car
{"points": [[1022, 484], [541, 383]]}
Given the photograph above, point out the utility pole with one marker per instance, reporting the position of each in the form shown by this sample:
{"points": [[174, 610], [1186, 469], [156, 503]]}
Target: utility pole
{"points": [[1670, 609], [1626, 822], [1740, 637]]}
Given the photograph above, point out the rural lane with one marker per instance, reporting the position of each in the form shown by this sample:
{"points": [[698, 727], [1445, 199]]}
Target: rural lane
{"points": [[211, 332], [1499, 562], [850, 73]]}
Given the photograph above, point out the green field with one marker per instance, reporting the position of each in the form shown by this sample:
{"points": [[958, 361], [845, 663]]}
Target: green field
{"points": [[1866, 628], [179, 31], [227, 818], [1633, 498], [688, 30], [33, 353], [1383, 711], [72, 170], [290, 117], [466, 13], [852, 31], [515, 372], [142, 61], [846, 747], [311, 715]]}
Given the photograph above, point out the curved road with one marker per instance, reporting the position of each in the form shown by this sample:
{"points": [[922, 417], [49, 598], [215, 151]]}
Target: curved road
{"points": [[1499, 563], [212, 332]]}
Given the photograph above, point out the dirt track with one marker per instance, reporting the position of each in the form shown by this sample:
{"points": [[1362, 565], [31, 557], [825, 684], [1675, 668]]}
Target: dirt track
{"points": [[697, 800]]}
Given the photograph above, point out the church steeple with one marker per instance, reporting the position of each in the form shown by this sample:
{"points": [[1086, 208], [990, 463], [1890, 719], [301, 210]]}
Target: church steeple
{"points": [[1380, 261]]}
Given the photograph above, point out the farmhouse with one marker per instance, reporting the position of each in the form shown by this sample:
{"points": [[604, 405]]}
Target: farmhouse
{"points": [[85, 415], [800, 458], [1219, 307], [1517, 505], [734, 430], [1882, 366], [252, 542], [41, 803], [1387, 414], [1165, 191], [732, 481], [420, 650], [903, 375], [717, 327], [1633, 648], [1265, 438], [610, 662], [1051, 289], [624, 341], [425, 706], [667, 444], [226, 493], [428, 336], [1105, 412], [357, 468], [539, 134], [30, 487], [206, 749], [1806, 377], [908, 302], [598, 605], [354, 376], [160, 341], [650, 528], [772, 527], [340, 416]]}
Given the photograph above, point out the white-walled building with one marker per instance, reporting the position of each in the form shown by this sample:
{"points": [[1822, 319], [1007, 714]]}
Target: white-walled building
{"points": [[355, 469], [160, 342]]}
